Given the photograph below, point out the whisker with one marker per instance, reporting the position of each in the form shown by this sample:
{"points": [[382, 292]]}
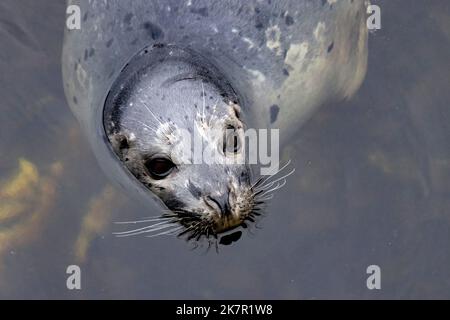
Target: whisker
{"points": [[257, 182], [151, 112], [266, 178], [258, 192], [144, 231], [144, 221], [278, 186], [169, 232], [204, 102], [144, 124], [282, 168], [188, 229], [258, 202], [266, 198], [151, 228], [271, 183]]}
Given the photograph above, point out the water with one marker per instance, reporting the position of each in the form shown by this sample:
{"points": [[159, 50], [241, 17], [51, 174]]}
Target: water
{"points": [[372, 184]]}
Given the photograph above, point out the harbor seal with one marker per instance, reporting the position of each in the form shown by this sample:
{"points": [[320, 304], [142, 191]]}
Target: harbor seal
{"points": [[139, 72]]}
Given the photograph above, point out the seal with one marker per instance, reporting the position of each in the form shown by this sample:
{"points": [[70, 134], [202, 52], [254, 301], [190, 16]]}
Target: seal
{"points": [[139, 75]]}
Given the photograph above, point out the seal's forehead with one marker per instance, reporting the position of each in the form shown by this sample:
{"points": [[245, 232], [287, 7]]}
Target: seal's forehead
{"points": [[182, 104], [166, 87], [180, 101]]}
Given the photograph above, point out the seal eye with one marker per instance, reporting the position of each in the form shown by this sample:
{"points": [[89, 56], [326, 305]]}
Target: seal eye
{"points": [[159, 168], [231, 141]]}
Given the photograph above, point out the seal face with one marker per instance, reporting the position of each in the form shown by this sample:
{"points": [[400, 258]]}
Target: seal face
{"points": [[163, 99]]}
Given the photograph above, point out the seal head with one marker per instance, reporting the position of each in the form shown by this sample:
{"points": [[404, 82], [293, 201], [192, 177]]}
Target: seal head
{"points": [[175, 123]]}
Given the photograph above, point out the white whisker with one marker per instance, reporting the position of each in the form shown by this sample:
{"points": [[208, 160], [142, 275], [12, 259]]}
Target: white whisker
{"points": [[145, 125], [204, 102], [169, 232], [270, 175], [266, 198], [144, 231], [278, 186], [271, 183], [145, 220], [152, 113], [155, 226]]}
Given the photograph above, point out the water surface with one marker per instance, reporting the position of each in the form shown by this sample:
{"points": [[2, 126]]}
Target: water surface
{"points": [[372, 184]]}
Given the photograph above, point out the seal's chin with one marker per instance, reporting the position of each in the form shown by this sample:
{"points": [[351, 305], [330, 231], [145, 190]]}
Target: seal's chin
{"points": [[226, 223], [213, 224], [237, 217]]}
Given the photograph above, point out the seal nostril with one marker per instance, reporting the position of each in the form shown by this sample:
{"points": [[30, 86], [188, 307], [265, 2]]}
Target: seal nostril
{"points": [[219, 202]]}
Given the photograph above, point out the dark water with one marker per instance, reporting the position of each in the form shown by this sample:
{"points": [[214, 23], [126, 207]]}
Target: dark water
{"points": [[372, 184]]}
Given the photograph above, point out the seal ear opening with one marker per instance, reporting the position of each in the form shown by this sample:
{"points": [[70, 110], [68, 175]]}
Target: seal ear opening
{"points": [[120, 144], [236, 109]]}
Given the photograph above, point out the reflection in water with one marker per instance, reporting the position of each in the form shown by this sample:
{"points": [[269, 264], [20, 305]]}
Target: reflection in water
{"points": [[372, 184], [26, 201], [96, 220]]}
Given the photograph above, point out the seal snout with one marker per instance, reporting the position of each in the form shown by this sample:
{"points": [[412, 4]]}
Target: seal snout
{"points": [[228, 209]]}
